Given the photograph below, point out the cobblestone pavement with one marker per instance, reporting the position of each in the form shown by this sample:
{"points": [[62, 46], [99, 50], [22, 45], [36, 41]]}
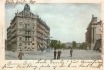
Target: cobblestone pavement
{"points": [[36, 55]]}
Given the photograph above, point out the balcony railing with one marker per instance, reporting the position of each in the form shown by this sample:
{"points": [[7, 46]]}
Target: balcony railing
{"points": [[27, 41], [27, 28], [13, 40]]}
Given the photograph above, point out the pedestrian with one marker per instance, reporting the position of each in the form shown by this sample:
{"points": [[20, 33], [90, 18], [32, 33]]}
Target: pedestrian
{"points": [[71, 51], [20, 55], [55, 54], [60, 54]]}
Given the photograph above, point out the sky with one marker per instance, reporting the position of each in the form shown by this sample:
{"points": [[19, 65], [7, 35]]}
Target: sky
{"points": [[67, 21]]}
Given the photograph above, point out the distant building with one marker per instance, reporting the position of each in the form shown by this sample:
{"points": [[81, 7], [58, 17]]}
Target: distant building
{"points": [[70, 44], [27, 31], [78, 44], [93, 33]]}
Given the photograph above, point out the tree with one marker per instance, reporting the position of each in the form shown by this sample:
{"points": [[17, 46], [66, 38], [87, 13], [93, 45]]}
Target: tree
{"points": [[63, 46], [69, 47], [53, 44], [74, 45], [57, 44], [82, 46]]}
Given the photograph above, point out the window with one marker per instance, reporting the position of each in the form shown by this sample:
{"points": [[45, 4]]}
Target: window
{"points": [[25, 25], [28, 32], [20, 38], [25, 47], [20, 23], [32, 43], [25, 32], [28, 43], [20, 47], [25, 39], [32, 47], [33, 27], [33, 32], [20, 44], [33, 39], [28, 25], [20, 31]]}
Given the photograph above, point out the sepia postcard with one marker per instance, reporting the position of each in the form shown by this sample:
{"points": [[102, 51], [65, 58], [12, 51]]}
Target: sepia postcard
{"points": [[54, 35]]}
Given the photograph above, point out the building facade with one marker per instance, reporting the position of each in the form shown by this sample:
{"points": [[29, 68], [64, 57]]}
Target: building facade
{"points": [[27, 31], [93, 33], [5, 44]]}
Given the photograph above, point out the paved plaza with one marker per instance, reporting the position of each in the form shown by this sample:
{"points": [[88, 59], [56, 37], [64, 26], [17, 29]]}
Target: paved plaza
{"points": [[36, 55]]}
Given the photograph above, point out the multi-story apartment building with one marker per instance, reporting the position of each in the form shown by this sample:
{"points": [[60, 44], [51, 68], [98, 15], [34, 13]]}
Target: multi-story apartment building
{"points": [[27, 31], [93, 33]]}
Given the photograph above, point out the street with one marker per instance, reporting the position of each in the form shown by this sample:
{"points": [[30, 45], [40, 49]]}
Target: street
{"points": [[36, 55]]}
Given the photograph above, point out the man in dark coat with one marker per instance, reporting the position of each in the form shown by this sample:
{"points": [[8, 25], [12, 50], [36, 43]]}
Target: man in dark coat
{"points": [[20, 55], [55, 54], [59, 53], [71, 51]]}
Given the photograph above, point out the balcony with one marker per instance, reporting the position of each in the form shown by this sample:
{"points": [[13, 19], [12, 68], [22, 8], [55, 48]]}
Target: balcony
{"points": [[27, 28], [14, 40], [28, 34], [27, 41], [39, 41], [39, 30], [14, 30]]}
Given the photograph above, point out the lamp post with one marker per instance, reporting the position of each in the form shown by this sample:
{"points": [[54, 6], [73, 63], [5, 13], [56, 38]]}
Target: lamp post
{"points": [[48, 44]]}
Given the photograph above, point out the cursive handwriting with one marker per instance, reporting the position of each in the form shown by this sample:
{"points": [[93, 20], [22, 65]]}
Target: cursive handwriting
{"points": [[92, 64], [41, 61], [19, 1], [39, 64]]}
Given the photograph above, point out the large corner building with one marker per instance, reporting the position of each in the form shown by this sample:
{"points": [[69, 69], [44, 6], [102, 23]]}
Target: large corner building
{"points": [[27, 31], [93, 34]]}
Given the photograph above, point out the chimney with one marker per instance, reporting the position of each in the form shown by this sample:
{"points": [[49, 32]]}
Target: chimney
{"points": [[94, 19]]}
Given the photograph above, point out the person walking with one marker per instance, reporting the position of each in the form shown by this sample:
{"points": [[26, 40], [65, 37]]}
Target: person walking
{"points": [[20, 55], [55, 54], [71, 51], [60, 54]]}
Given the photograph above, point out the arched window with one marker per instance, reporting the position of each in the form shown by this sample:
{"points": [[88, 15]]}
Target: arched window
{"points": [[32, 47], [20, 47], [20, 44], [32, 43], [20, 38], [33, 39], [25, 47]]}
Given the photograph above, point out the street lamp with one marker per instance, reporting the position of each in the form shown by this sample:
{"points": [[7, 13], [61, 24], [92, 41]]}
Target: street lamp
{"points": [[48, 44]]}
